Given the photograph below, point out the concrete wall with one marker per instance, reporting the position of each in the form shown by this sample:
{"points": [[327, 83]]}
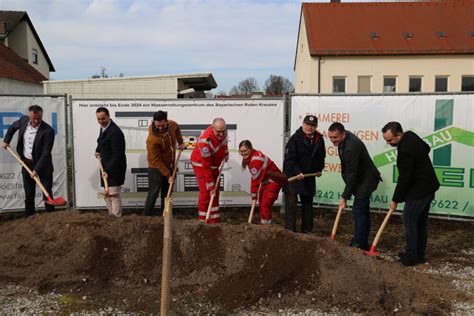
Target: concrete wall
{"points": [[18, 87], [152, 87]]}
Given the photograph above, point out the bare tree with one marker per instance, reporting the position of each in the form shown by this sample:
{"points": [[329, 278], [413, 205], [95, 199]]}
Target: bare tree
{"points": [[104, 74], [278, 85], [246, 86]]}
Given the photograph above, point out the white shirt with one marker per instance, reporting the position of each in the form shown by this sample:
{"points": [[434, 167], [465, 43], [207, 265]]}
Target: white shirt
{"points": [[102, 129], [29, 139]]}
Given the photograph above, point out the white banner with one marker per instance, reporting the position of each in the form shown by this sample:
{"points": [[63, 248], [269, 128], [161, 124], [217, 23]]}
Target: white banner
{"points": [[445, 122], [13, 107], [258, 120]]}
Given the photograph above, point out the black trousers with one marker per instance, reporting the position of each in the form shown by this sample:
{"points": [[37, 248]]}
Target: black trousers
{"points": [[29, 185], [156, 183], [307, 213], [415, 220]]}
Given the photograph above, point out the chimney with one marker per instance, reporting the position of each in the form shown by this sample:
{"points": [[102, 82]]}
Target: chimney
{"points": [[335, 1], [3, 27]]}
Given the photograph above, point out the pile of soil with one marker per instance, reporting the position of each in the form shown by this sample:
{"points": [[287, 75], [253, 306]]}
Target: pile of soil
{"points": [[230, 266]]}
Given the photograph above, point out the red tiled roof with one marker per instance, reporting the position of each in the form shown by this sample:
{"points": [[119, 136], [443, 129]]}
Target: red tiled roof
{"points": [[345, 28], [14, 67]]}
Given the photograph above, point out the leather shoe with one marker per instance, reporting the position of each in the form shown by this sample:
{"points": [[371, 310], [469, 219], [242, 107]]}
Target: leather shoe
{"points": [[408, 260], [419, 259]]}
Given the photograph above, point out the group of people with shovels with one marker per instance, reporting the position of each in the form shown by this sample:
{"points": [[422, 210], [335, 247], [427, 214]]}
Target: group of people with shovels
{"points": [[304, 159]]}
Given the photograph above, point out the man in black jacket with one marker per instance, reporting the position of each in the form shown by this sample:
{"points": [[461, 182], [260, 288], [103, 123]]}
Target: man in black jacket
{"points": [[305, 153], [416, 186], [111, 150], [361, 178], [35, 143]]}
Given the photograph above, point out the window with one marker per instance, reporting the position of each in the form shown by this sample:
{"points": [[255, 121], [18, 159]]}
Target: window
{"points": [[441, 84], [338, 84], [414, 84], [363, 84], [142, 123], [389, 84], [34, 56], [467, 83]]}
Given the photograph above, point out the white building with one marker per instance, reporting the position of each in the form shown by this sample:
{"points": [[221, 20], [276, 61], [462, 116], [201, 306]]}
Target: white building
{"points": [[156, 87], [24, 62], [385, 47]]}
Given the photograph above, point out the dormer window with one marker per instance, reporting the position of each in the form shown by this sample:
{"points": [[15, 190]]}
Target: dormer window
{"points": [[34, 56], [374, 35], [407, 35], [441, 34]]}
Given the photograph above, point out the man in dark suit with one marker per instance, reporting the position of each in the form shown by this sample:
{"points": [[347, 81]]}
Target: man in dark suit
{"points": [[35, 143], [111, 149], [416, 186], [305, 153], [361, 178]]}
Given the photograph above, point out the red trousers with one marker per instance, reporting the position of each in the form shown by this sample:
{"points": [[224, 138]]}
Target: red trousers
{"points": [[205, 197], [267, 195]]}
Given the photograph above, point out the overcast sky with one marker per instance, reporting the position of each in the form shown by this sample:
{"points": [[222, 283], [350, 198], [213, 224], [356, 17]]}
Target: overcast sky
{"points": [[231, 39]]}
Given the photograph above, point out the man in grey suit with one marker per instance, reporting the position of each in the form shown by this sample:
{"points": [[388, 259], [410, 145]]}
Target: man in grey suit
{"points": [[35, 143], [361, 178]]}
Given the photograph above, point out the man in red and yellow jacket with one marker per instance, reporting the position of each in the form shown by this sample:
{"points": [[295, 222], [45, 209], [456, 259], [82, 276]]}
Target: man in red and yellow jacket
{"points": [[207, 156], [163, 134]]}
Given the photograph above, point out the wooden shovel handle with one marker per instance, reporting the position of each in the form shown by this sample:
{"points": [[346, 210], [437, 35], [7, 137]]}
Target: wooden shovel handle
{"points": [[106, 183], [336, 222], [166, 266], [217, 183], [170, 189], [36, 178], [294, 178], [252, 210], [254, 203], [382, 227]]}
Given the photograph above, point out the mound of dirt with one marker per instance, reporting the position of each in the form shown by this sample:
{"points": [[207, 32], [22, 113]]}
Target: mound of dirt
{"points": [[230, 266]]}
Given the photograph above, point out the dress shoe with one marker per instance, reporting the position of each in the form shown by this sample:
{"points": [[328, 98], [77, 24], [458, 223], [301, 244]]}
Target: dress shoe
{"points": [[418, 258]]}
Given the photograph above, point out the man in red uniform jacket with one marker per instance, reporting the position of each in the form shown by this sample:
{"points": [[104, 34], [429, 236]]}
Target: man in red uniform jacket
{"points": [[209, 152]]}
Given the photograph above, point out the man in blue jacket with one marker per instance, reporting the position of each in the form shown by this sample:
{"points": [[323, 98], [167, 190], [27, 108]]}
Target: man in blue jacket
{"points": [[35, 143], [305, 153], [416, 186]]}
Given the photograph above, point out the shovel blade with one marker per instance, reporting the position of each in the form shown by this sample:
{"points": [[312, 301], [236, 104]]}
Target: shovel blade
{"points": [[372, 252], [59, 201], [332, 237]]}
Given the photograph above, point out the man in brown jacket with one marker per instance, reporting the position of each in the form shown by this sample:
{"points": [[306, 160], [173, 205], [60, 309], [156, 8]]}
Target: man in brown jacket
{"points": [[163, 134]]}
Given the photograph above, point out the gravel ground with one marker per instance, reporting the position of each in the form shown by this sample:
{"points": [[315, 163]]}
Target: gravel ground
{"points": [[20, 300]]}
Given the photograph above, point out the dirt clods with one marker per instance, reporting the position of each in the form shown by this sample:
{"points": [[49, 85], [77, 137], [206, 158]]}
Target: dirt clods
{"points": [[231, 266]]}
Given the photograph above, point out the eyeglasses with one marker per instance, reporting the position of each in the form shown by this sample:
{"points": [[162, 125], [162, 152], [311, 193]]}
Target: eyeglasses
{"points": [[220, 131]]}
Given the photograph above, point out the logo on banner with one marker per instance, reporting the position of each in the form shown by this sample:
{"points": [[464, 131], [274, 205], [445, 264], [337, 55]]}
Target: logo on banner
{"points": [[6, 118], [253, 171], [445, 134], [205, 150]]}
